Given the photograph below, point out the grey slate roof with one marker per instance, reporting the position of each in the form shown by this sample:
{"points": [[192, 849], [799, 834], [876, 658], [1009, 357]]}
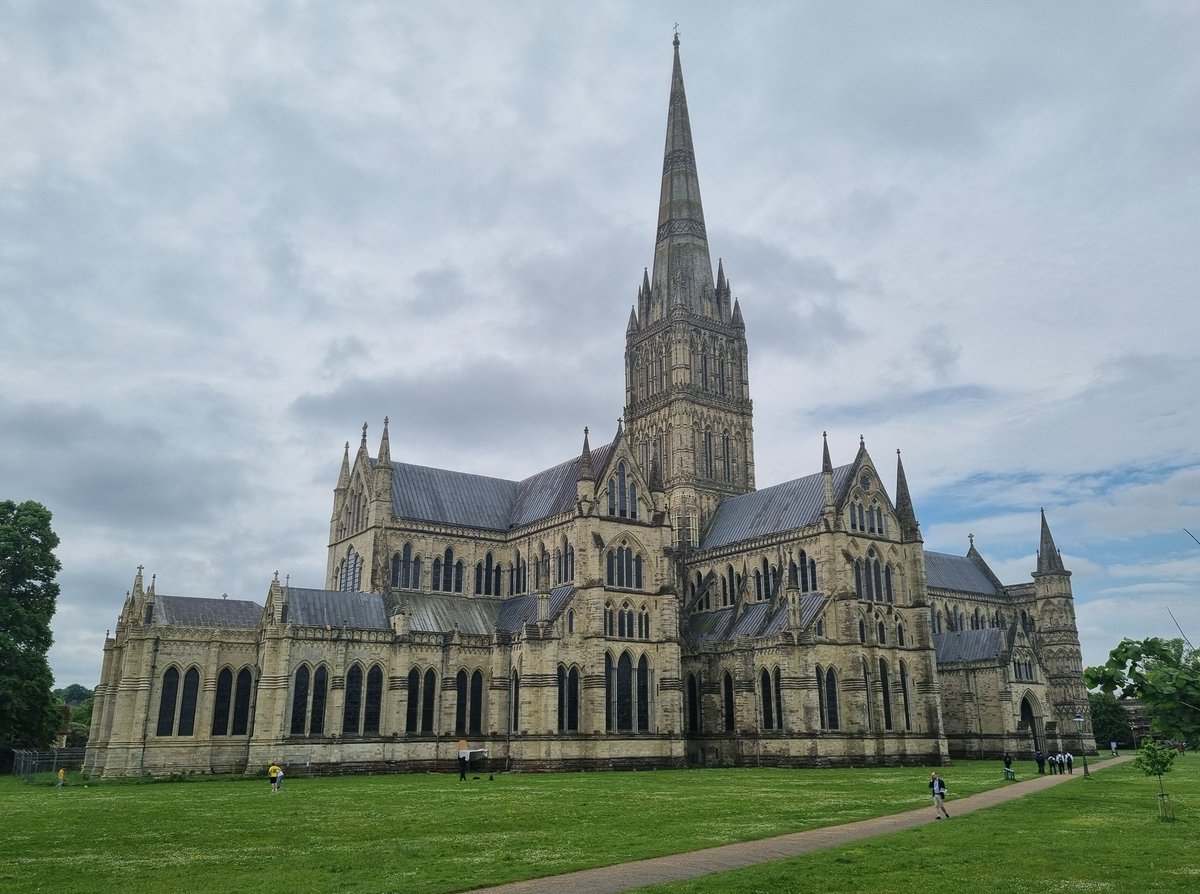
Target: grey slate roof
{"points": [[946, 572], [479, 615], [202, 611], [442, 612], [424, 493], [332, 608], [969, 645], [772, 510], [757, 620]]}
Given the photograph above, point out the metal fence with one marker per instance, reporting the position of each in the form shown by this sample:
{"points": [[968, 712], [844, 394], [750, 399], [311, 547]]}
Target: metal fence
{"points": [[28, 764]]}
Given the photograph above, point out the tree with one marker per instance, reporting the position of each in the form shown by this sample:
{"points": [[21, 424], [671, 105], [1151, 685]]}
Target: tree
{"points": [[74, 695], [1110, 721], [1164, 674], [29, 716], [1155, 759]]}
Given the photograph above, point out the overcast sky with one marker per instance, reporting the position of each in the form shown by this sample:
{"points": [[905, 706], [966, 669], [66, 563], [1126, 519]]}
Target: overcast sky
{"points": [[230, 233]]}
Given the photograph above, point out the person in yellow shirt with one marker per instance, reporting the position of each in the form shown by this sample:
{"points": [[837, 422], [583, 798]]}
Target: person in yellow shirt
{"points": [[273, 773]]}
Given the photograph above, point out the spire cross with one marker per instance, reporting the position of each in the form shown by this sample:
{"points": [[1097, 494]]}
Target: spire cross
{"points": [[676, 41]]}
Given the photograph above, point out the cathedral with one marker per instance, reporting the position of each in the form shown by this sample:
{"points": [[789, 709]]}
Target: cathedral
{"points": [[641, 604]]}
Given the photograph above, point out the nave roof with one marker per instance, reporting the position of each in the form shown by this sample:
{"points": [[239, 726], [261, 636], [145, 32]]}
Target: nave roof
{"points": [[424, 493], [986, 644], [946, 572], [334, 608], [773, 510]]}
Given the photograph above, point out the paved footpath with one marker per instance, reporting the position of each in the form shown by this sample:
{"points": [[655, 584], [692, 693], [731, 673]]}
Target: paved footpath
{"points": [[676, 867]]}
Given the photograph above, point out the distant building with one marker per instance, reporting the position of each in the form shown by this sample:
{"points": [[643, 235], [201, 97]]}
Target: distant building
{"points": [[640, 604]]}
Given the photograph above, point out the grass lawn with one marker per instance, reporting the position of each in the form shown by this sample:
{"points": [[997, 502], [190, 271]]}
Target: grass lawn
{"points": [[427, 833], [1099, 834]]}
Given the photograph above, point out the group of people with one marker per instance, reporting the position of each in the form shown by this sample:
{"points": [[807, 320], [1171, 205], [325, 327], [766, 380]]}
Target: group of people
{"points": [[1060, 762]]}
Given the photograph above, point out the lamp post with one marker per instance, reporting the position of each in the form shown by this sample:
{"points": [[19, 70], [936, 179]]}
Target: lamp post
{"points": [[1082, 751]]}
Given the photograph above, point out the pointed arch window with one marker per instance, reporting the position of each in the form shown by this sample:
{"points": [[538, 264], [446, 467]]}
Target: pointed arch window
{"points": [[726, 450], [568, 699], [373, 706], [643, 695], [708, 453], [413, 710], [352, 708], [300, 700], [827, 689], [350, 579], [241, 703], [870, 703], [167, 701], [904, 695], [406, 569], [516, 701], [316, 726], [187, 703], [729, 720], [768, 700], [885, 687], [693, 704], [623, 568], [224, 697]]}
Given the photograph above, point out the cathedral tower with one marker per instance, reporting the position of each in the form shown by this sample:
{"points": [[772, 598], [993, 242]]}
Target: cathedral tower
{"points": [[687, 396]]}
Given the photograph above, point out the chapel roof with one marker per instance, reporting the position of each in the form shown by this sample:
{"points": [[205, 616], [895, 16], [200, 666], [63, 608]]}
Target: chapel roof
{"points": [[203, 611]]}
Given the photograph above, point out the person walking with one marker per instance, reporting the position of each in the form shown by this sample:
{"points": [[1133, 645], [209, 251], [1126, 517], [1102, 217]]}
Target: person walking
{"points": [[1041, 762], [1070, 759], [62, 777], [937, 786]]}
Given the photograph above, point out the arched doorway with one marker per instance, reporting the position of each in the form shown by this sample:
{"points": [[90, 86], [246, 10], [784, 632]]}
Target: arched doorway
{"points": [[1032, 723]]}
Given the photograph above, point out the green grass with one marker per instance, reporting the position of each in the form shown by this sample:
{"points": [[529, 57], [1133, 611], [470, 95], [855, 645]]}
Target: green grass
{"points": [[430, 833], [1096, 835]]}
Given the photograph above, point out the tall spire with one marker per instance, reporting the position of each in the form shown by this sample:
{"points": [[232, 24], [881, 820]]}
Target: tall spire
{"points": [[1048, 555], [682, 267], [909, 526]]}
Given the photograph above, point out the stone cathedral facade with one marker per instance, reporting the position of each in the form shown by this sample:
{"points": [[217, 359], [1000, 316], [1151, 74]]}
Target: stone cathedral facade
{"points": [[641, 604]]}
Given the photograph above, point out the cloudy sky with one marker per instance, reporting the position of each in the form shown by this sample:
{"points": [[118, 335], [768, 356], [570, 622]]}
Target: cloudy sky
{"points": [[232, 232]]}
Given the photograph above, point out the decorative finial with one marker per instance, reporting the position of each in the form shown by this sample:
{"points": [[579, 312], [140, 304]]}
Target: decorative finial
{"points": [[364, 437], [585, 431], [861, 441], [276, 576], [385, 422], [140, 568], [676, 41], [287, 580], [224, 595], [971, 539]]}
